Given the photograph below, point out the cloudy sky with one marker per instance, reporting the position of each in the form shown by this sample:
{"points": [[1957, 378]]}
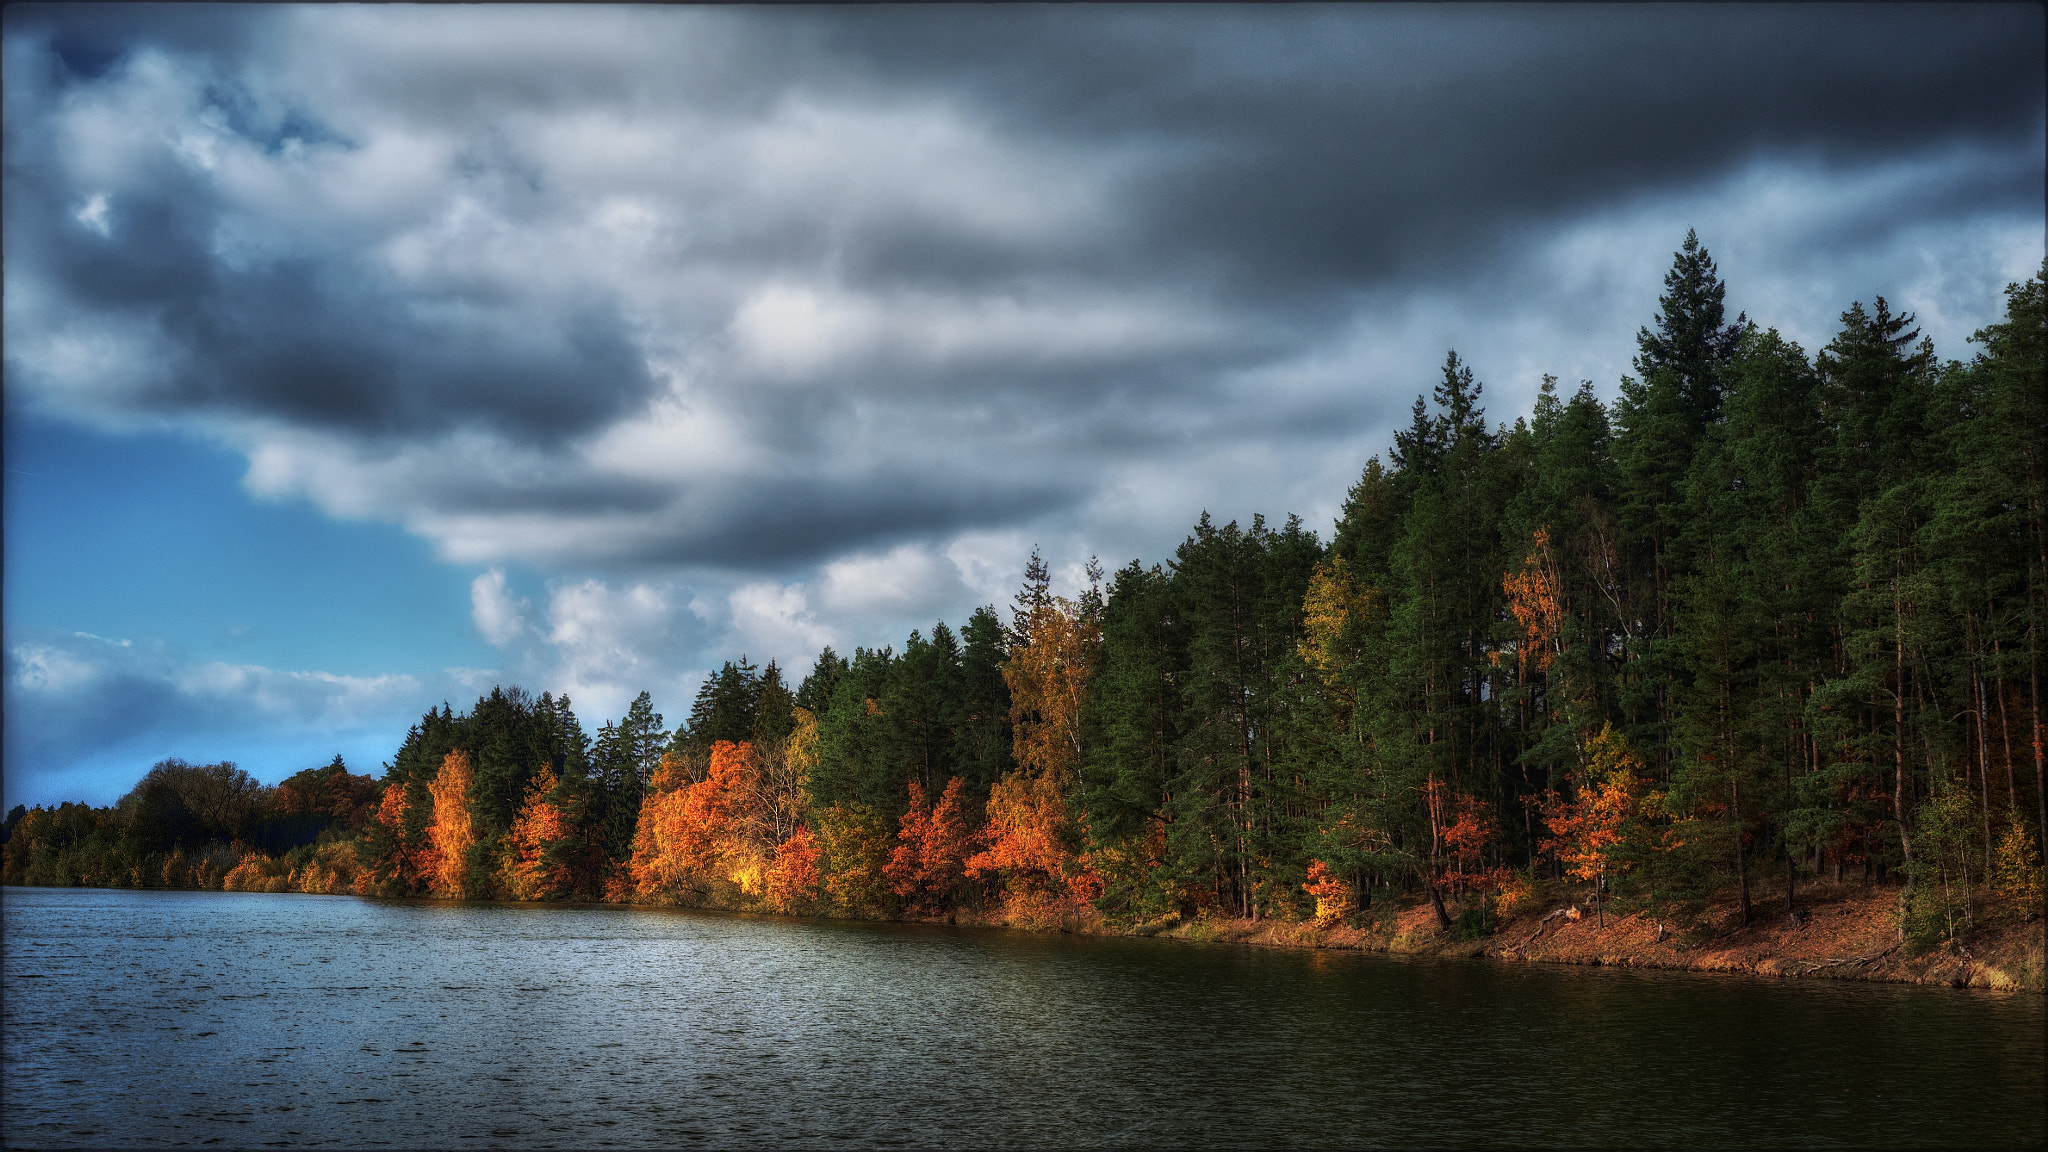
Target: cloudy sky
{"points": [[361, 358]]}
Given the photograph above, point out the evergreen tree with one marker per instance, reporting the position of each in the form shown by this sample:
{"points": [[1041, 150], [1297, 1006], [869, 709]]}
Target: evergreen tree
{"points": [[1660, 420], [774, 709], [815, 694], [1134, 707], [921, 704], [624, 759], [853, 740], [982, 736], [725, 706]]}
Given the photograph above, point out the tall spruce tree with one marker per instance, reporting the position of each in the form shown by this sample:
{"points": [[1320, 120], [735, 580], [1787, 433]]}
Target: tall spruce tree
{"points": [[1660, 419]]}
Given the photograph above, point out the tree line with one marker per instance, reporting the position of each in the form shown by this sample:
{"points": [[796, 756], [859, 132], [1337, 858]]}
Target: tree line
{"points": [[1769, 618]]}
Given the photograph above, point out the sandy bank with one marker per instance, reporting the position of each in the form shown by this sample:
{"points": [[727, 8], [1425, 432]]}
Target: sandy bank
{"points": [[1845, 932]]}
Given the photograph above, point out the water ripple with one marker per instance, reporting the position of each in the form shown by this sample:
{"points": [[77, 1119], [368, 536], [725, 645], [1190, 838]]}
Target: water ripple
{"points": [[142, 1018]]}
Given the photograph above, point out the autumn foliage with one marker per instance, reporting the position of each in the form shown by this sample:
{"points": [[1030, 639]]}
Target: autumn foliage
{"points": [[682, 841], [1615, 820], [453, 832], [1031, 836], [1535, 597], [538, 867], [930, 863], [1799, 584], [1335, 899], [796, 879]]}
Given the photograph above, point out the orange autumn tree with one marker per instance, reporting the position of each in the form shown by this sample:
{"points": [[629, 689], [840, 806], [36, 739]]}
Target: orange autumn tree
{"points": [[1535, 598], [1029, 832], [654, 867], [1334, 898], [531, 870], [1461, 829], [796, 878], [1605, 828], [409, 856], [453, 832], [682, 844], [1467, 839], [929, 865]]}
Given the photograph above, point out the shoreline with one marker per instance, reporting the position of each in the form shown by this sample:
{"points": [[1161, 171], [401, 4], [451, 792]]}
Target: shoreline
{"points": [[1845, 932]]}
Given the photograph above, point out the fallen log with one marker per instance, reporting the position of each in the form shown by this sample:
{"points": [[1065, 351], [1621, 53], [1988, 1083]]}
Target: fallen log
{"points": [[1539, 928], [1833, 962]]}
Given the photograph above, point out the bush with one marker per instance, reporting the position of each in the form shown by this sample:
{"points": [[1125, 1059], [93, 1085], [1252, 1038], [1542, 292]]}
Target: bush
{"points": [[2016, 877], [1473, 923]]}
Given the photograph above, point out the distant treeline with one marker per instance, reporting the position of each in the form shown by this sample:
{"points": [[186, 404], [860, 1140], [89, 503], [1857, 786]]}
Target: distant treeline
{"points": [[1768, 618]]}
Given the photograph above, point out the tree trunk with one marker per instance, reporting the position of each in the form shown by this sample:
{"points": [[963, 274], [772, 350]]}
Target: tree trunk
{"points": [[1899, 718], [1436, 904], [1741, 876], [2012, 785], [1983, 769], [2040, 777]]}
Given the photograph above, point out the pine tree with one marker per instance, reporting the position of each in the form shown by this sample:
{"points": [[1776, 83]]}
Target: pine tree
{"points": [[815, 693], [1660, 420], [725, 706], [982, 735]]}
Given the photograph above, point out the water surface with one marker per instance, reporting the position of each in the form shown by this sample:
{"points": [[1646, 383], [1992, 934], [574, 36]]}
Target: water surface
{"points": [[143, 1018]]}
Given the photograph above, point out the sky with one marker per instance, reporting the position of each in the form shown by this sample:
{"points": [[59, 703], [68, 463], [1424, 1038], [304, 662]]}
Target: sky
{"points": [[358, 359]]}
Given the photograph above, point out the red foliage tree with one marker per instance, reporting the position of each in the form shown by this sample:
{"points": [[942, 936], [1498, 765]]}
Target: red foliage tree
{"points": [[795, 878], [929, 865]]}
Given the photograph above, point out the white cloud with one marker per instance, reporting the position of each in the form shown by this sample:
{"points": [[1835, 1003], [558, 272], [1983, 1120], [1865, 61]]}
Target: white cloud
{"points": [[794, 331], [51, 667], [499, 616], [608, 644], [776, 619], [93, 213], [902, 578]]}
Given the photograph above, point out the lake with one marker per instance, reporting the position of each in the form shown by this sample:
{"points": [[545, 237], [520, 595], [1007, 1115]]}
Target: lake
{"points": [[238, 1019]]}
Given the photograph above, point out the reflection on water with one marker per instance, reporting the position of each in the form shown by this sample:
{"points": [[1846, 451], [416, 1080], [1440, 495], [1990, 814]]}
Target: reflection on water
{"points": [[241, 1019]]}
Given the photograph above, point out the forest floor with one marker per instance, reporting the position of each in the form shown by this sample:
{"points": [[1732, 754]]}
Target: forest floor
{"points": [[1845, 932]]}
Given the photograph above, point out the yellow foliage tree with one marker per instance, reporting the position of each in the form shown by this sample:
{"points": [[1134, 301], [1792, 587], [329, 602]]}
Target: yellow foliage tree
{"points": [[2017, 877], [1029, 830], [1333, 603], [857, 843], [452, 831], [1047, 674]]}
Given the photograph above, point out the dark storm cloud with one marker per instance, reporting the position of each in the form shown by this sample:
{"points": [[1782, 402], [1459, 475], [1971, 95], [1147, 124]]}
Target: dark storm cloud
{"points": [[1329, 147], [312, 336], [755, 329], [888, 269], [89, 39], [796, 521]]}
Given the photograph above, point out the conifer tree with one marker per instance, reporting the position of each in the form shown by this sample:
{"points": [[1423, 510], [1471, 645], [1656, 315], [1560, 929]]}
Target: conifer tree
{"points": [[982, 741]]}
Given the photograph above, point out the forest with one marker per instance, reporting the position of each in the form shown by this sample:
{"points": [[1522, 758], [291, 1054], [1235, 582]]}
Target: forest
{"points": [[1770, 618]]}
